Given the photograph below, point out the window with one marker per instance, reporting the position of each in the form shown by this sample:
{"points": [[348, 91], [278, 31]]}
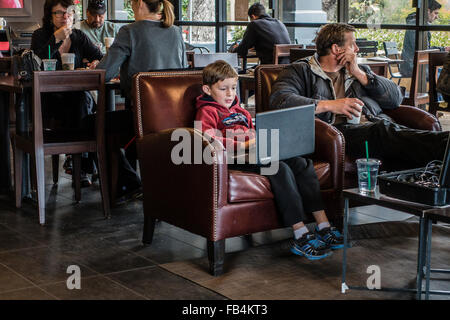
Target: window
{"points": [[308, 11], [198, 36], [376, 12], [237, 10], [198, 10]]}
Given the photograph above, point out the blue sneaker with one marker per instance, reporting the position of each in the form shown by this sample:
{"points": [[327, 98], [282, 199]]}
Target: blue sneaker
{"points": [[310, 247], [331, 236]]}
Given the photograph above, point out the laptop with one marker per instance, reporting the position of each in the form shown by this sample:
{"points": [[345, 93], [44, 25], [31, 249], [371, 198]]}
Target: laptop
{"points": [[282, 134]]}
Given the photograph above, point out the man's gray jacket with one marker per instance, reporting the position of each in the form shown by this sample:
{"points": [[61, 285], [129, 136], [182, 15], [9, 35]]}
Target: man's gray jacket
{"points": [[304, 82]]}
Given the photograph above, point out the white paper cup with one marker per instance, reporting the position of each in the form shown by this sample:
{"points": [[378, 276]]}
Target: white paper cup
{"points": [[68, 61], [49, 64], [355, 119], [108, 42]]}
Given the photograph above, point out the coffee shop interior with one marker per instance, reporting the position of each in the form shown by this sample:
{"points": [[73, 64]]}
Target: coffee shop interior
{"points": [[108, 214]]}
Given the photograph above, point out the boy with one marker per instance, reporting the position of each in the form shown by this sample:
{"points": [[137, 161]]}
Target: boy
{"points": [[295, 186]]}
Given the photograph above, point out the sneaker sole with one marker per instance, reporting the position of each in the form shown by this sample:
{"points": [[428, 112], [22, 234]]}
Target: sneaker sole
{"points": [[336, 247], [308, 256]]}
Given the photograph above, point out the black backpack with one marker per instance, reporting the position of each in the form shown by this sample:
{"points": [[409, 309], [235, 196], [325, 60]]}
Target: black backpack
{"points": [[23, 65]]}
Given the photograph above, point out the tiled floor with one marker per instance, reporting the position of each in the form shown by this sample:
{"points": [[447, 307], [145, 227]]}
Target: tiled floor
{"points": [[113, 263]]}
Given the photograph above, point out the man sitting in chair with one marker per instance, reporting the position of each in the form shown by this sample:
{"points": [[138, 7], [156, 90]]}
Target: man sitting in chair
{"points": [[341, 89], [263, 33]]}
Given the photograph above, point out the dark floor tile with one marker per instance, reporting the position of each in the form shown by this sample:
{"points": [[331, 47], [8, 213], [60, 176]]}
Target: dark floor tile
{"points": [[93, 288], [12, 240], [163, 249], [11, 281], [159, 284], [26, 294], [101, 255], [41, 265]]}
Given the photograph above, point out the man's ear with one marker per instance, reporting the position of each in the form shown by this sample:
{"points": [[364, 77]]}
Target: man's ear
{"points": [[206, 89], [335, 49]]}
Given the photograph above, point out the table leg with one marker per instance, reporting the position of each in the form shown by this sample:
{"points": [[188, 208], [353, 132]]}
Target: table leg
{"points": [[420, 257], [5, 158], [429, 226], [344, 286], [22, 119]]}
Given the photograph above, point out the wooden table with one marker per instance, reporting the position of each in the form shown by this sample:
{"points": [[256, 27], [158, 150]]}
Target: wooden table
{"points": [[378, 67], [246, 83]]}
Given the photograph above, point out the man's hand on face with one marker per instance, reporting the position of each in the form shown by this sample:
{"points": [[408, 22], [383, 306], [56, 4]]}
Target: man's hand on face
{"points": [[348, 59]]}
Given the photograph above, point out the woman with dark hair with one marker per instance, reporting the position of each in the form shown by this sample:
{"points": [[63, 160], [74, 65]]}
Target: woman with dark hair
{"points": [[152, 42], [51, 41]]}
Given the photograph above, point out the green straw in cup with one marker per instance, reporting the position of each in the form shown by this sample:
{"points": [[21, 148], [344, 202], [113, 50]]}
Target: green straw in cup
{"points": [[367, 156], [49, 55]]}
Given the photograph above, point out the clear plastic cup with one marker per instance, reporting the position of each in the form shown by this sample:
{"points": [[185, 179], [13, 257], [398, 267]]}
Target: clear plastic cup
{"points": [[49, 64], [367, 174], [68, 61]]}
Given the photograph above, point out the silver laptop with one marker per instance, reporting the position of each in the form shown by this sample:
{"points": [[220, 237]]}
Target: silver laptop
{"points": [[282, 134]]}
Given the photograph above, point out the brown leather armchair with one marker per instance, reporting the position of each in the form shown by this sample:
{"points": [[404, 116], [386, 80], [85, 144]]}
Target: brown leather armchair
{"points": [[329, 150], [206, 199], [411, 117]]}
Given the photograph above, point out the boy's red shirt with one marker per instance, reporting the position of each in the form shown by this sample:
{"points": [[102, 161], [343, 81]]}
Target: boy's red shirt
{"points": [[216, 118]]}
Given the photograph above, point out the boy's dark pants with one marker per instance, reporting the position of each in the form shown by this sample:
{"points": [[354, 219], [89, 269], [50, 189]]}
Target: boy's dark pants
{"points": [[295, 187]]}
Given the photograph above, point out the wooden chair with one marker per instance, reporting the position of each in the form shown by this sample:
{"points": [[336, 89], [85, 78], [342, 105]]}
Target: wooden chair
{"points": [[367, 47], [283, 50], [413, 97], [201, 60], [436, 59], [38, 144], [297, 54], [391, 51]]}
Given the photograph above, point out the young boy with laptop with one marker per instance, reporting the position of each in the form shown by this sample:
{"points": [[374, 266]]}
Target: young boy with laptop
{"points": [[295, 185]]}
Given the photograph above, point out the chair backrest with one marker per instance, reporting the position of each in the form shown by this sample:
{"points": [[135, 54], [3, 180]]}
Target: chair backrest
{"points": [[420, 59], [201, 60], [390, 49], [301, 53], [435, 59], [65, 81], [265, 76], [367, 47], [283, 50], [165, 100]]}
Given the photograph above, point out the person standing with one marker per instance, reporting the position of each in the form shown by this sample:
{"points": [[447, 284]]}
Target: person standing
{"points": [[263, 33], [95, 26], [409, 42]]}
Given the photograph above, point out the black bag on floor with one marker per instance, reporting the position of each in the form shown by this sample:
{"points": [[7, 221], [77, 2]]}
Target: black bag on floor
{"points": [[23, 64]]}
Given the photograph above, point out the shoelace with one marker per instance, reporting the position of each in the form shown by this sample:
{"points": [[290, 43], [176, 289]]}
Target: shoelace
{"points": [[316, 243]]}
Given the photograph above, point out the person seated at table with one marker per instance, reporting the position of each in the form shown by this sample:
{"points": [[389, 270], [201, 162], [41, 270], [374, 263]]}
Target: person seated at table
{"points": [[152, 42], [295, 184], [409, 42], [262, 33], [443, 84], [95, 26], [334, 82], [56, 37]]}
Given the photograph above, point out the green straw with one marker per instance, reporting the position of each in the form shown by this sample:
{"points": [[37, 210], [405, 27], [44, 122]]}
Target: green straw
{"points": [[49, 55], [367, 156]]}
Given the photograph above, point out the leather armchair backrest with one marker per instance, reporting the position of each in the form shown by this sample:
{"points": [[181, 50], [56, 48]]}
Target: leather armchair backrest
{"points": [[265, 76], [165, 99]]}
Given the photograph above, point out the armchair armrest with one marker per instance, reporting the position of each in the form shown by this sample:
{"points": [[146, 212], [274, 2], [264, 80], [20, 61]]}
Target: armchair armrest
{"points": [[330, 147], [179, 186], [414, 118]]}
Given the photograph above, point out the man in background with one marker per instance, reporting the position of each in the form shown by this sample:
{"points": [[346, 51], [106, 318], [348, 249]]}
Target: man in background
{"points": [[262, 33], [95, 26], [409, 43]]}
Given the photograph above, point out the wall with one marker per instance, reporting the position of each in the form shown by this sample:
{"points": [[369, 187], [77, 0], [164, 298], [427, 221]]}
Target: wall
{"points": [[37, 13]]}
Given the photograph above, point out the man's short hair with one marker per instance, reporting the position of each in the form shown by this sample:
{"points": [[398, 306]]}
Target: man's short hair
{"points": [[434, 5], [256, 9], [333, 33], [96, 6], [218, 71]]}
